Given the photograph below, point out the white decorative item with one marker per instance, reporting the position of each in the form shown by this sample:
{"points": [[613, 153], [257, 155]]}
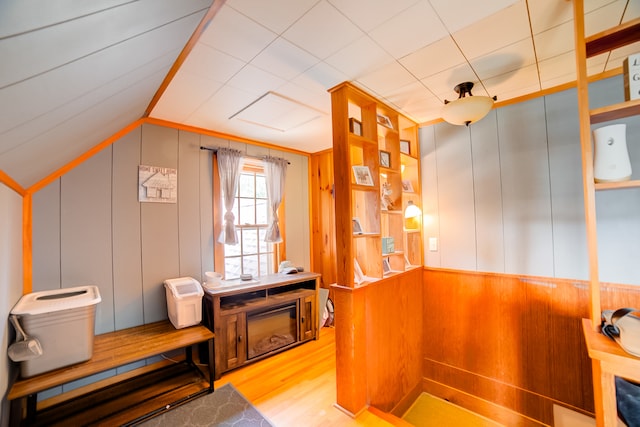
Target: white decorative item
{"points": [[611, 159]]}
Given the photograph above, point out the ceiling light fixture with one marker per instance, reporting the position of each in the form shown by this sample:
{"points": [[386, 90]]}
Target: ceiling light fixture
{"points": [[466, 109]]}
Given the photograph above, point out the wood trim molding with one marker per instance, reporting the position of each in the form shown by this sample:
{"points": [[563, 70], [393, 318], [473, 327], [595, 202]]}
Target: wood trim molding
{"points": [[202, 26], [27, 243], [11, 183]]}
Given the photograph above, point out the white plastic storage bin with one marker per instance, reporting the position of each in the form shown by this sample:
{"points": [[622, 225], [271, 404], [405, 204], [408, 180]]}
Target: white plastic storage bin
{"points": [[184, 301], [63, 320]]}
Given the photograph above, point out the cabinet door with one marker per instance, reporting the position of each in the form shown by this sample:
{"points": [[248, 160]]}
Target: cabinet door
{"points": [[308, 318], [234, 341]]}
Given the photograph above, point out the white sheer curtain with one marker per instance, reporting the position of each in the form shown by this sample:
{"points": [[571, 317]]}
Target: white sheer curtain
{"points": [[275, 171], [229, 167]]}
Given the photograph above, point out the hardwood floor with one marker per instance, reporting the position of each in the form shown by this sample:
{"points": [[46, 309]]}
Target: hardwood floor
{"points": [[298, 387]]}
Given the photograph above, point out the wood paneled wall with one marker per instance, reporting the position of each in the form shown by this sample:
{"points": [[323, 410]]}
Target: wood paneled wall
{"points": [[379, 342], [323, 217], [496, 341]]}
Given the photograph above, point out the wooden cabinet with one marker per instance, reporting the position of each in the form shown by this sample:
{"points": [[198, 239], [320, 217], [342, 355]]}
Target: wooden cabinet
{"points": [[261, 318], [600, 349], [376, 172]]}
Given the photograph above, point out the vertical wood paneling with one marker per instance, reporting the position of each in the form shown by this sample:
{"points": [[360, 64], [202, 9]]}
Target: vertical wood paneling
{"points": [[46, 238], [455, 197], [394, 338], [524, 165], [189, 205], [565, 171], [160, 243], [487, 194], [431, 210], [127, 244], [323, 227], [86, 244]]}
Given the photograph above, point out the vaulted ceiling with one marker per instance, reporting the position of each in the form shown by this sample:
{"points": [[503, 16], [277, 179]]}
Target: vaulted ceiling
{"points": [[74, 73]]}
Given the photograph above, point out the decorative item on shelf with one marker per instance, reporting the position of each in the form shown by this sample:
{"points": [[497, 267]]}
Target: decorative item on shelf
{"points": [[466, 109], [407, 187], [363, 175], [358, 274], [405, 146], [412, 215], [385, 121], [386, 267], [357, 227], [388, 245], [611, 159], [355, 126], [385, 199], [385, 159], [631, 70]]}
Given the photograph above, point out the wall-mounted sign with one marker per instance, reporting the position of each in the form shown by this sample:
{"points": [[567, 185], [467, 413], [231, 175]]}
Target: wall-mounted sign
{"points": [[157, 184]]}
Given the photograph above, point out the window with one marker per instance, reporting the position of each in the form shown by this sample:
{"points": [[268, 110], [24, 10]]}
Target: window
{"points": [[251, 209]]}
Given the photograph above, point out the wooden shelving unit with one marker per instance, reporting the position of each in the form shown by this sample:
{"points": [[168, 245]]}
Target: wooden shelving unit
{"points": [[607, 358], [378, 206]]}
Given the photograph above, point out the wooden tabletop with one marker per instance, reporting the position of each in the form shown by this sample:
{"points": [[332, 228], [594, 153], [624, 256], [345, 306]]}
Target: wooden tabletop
{"points": [[115, 349]]}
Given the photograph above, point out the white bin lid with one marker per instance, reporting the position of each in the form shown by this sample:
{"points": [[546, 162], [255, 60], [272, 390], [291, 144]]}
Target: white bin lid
{"points": [[57, 300], [183, 287]]}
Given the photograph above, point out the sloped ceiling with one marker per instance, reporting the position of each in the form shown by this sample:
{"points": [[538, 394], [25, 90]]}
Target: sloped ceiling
{"points": [[74, 73]]}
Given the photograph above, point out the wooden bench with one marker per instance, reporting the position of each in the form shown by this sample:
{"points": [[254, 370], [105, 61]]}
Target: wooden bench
{"points": [[126, 398]]}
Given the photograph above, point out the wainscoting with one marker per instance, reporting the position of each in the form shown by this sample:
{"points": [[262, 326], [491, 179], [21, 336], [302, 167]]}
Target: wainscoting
{"points": [[496, 341]]}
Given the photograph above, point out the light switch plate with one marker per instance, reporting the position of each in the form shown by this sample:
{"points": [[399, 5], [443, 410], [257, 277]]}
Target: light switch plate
{"points": [[433, 244]]}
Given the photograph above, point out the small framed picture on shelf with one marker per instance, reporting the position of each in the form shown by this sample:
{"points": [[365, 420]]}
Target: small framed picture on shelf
{"points": [[385, 159], [363, 175], [355, 126], [405, 146], [407, 187], [386, 267], [357, 227], [384, 121]]}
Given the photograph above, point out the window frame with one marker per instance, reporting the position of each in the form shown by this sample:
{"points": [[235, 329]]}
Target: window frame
{"points": [[250, 164]]}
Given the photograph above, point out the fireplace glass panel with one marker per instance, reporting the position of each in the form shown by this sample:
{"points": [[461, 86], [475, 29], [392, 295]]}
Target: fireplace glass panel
{"points": [[271, 330]]}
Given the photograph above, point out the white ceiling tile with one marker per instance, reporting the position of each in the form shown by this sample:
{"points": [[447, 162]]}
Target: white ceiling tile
{"points": [[210, 63], [632, 11], [504, 60], [359, 58], [514, 83], [495, 32], [222, 105], [284, 59], [547, 14], [620, 54], [410, 30], [433, 58], [318, 98], [321, 76], [457, 14], [554, 42], [322, 31], [236, 35], [386, 79], [368, 14], [276, 15], [183, 96], [557, 66], [254, 80], [604, 17]]}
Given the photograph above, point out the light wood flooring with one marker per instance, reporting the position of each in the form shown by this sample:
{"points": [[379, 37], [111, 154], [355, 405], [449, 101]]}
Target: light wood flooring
{"points": [[298, 387]]}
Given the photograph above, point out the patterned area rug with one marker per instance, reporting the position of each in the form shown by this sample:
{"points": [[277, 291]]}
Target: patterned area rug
{"points": [[225, 407]]}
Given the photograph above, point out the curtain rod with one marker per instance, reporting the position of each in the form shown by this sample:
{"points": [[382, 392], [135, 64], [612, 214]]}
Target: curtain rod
{"points": [[215, 150]]}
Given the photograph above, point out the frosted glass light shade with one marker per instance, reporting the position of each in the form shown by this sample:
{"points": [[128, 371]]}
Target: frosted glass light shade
{"points": [[467, 110]]}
